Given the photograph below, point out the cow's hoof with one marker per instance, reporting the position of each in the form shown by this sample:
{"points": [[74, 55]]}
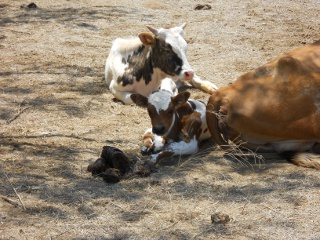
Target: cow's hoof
{"points": [[143, 170], [145, 150]]}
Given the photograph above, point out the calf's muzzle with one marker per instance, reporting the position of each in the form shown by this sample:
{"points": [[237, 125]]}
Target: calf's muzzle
{"points": [[158, 129]]}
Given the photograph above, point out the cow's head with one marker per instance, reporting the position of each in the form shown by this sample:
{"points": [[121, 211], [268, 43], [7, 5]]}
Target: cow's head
{"points": [[169, 51], [161, 107]]}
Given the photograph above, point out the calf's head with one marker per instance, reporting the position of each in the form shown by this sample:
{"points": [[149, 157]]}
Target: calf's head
{"points": [[161, 106], [169, 51]]}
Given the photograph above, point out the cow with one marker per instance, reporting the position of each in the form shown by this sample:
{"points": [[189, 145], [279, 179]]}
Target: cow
{"points": [[138, 65], [178, 124], [274, 108]]}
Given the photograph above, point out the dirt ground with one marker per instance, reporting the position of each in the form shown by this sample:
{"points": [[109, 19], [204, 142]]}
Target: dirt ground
{"points": [[56, 114]]}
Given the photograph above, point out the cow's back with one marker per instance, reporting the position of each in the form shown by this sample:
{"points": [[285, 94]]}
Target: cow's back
{"points": [[121, 49], [278, 101]]}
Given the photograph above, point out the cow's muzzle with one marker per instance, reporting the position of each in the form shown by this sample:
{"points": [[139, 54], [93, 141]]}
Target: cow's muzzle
{"points": [[188, 75], [159, 129]]}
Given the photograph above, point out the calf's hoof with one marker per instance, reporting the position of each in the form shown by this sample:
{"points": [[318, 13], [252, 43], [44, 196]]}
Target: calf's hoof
{"points": [[145, 150]]}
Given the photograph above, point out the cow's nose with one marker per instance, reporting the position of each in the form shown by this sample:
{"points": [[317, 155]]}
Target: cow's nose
{"points": [[159, 129], [188, 75]]}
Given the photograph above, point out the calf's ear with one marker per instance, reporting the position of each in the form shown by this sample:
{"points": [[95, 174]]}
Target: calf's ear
{"points": [[139, 100], [181, 98], [146, 38]]}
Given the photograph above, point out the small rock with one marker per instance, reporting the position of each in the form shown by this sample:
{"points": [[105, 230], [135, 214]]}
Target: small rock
{"points": [[30, 6], [202, 7], [220, 218]]}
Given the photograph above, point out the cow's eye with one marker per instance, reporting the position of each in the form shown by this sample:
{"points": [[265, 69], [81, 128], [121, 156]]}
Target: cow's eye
{"points": [[167, 50]]}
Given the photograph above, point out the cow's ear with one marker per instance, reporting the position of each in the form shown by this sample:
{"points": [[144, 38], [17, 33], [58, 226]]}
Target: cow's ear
{"points": [[180, 29], [181, 98], [146, 38], [139, 100]]}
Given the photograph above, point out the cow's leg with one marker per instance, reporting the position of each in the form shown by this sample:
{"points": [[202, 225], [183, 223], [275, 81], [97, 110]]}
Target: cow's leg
{"points": [[151, 143], [306, 159], [316, 148], [174, 149], [123, 96], [156, 158], [169, 85], [108, 74], [205, 86]]}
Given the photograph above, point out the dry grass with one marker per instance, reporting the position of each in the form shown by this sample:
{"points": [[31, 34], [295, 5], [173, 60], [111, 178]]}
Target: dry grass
{"points": [[56, 114]]}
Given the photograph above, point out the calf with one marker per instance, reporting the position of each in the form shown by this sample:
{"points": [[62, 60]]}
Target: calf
{"points": [[139, 65], [178, 124], [275, 107]]}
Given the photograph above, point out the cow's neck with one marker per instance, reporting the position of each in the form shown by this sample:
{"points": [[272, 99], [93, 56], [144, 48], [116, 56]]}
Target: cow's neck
{"points": [[176, 127], [142, 66]]}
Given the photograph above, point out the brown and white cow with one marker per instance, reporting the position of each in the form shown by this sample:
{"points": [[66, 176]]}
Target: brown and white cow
{"points": [[274, 108], [178, 124], [139, 65]]}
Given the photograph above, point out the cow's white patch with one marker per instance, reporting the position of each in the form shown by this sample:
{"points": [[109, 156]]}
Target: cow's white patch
{"points": [[184, 148], [179, 148], [158, 143], [160, 100]]}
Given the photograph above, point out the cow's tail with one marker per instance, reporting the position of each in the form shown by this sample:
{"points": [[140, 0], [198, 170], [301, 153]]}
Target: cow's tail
{"points": [[303, 159], [212, 116]]}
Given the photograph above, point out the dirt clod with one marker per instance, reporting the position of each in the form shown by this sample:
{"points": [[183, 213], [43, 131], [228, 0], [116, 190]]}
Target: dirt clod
{"points": [[202, 7], [29, 6], [112, 165], [220, 218]]}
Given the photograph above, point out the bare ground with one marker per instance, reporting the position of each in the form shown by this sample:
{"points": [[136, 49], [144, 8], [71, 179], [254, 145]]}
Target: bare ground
{"points": [[56, 114]]}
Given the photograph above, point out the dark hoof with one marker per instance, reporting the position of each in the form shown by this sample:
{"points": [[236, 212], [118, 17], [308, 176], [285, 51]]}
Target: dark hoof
{"points": [[142, 170], [111, 175], [145, 151]]}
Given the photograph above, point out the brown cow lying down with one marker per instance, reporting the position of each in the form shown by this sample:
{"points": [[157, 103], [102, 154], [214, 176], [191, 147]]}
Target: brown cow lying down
{"points": [[274, 108]]}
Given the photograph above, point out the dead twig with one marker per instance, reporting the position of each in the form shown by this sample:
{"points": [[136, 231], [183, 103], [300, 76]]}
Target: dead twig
{"points": [[170, 226], [23, 206], [9, 201], [20, 111]]}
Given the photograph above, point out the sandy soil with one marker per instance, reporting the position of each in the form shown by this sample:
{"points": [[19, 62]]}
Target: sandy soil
{"points": [[56, 114]]}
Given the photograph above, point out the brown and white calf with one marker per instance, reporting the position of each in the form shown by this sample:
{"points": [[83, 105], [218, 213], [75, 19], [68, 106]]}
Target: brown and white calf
{"points": [[178, 124], [274, 108], [139, 65]]}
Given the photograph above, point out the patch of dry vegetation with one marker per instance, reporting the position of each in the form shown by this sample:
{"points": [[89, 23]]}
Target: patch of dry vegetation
{"points": [[56, 115]]}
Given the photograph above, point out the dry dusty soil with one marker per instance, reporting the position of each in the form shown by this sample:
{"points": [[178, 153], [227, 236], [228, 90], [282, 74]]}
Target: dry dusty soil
{"points": [[56, 114]]}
